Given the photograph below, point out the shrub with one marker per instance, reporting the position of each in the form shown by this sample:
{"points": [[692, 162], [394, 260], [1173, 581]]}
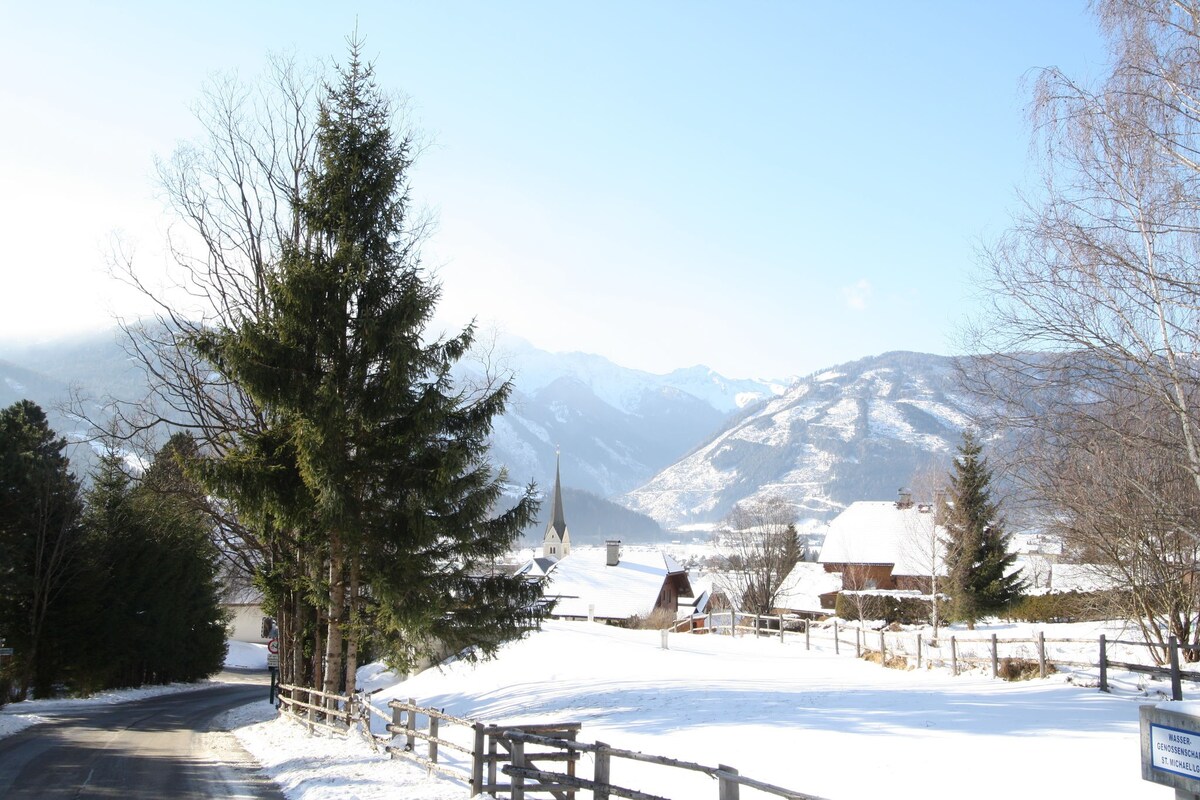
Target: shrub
{"points": [[1060, 607], [891, 662], [658, 619], [1018, 669], [891, 608]]}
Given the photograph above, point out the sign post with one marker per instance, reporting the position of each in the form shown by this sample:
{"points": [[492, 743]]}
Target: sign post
{"points": [[273, 662], [1171, 749]]}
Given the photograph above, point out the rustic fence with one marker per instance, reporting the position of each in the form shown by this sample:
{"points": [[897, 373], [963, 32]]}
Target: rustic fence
{"points": [[514, 761], [952, 651]]}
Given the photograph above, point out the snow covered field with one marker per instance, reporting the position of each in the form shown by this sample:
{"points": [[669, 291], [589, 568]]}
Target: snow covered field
{"points": [[826, 724], [815, 722]]}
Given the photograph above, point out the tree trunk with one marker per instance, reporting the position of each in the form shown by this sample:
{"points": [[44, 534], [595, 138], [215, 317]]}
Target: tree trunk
{"points": [[337, 608], [352, 629]]}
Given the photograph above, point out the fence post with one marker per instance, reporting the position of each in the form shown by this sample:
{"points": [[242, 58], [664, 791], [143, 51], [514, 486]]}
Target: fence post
{"points": [[601, 774], [995, 659], [757, 625], [433, 732], [918, 651], [517, 758], [477, 761], [858, 642], [1103, 665], [729, 789], [836, 646], [664, 639], [493, 763], [397, 724], [781, 628], [1041, 642], [806, 640], [410, 726], [953, 656], [882, 650], [1176, 685]]}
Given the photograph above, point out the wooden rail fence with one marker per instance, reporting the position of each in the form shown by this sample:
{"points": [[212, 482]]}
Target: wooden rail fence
{"points": [[513, 761], [951, 651]]}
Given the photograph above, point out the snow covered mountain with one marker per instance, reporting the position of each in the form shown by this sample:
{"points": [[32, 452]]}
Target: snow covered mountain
{"points": [[858, 431], [615, 427]]}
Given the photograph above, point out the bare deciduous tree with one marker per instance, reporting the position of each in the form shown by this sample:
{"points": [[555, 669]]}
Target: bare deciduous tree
{"points": [[759, 547], [1096, 309]]}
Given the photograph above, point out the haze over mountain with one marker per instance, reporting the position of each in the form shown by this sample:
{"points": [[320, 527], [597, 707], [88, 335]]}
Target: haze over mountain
{"points": [[682, 448], [614, 427]]}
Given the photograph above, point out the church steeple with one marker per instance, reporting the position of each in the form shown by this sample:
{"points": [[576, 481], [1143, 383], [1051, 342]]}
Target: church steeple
{"points": [[557, 541]]}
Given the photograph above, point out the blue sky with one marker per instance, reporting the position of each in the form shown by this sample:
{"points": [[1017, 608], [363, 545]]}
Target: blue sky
{"points": [[767, 188]]}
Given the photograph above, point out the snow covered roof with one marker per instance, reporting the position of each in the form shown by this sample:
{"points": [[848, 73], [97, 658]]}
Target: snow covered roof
{"points": [[632, 587], [880, 532], [1075, 578], [538, 567], [804, 585]]}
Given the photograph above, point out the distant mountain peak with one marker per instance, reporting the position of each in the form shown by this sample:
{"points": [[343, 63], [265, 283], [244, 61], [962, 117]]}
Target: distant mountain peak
{"points": [[854, 431]]}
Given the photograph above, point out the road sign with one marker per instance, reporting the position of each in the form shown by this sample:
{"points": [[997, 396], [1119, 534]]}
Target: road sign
{"points": [[6, 651], [273, 660], [273, 647]]}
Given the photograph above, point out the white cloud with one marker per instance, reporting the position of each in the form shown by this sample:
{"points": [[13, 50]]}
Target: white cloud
{"points": [[857, 294]]}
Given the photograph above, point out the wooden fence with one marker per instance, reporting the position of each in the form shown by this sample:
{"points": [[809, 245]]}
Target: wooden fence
{"points": [[903, 648], [515, 761]]}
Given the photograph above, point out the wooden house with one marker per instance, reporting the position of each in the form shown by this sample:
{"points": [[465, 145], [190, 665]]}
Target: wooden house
{"points": [[613, 585], [885, 546]]}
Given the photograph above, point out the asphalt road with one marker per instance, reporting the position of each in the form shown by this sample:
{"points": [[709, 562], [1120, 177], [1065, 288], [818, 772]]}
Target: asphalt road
{"points": [[162, 747]]}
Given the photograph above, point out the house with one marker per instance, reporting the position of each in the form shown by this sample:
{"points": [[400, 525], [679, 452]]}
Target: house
{"points": [[614, 585], [244, 615], [808, 590], [886, 546]]}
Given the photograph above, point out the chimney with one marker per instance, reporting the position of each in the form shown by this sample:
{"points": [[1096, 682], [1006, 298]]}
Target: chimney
{"points": [[614, 552]]}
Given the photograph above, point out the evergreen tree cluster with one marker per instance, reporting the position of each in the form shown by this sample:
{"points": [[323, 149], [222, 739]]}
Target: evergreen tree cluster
{"points": [[115, 586]]}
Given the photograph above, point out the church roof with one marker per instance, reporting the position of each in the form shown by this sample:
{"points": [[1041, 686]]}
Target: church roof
{"points": [[559, 521]]}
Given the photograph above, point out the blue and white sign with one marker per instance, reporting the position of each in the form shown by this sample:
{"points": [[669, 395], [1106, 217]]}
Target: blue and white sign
{"points": [[1175, 750]]}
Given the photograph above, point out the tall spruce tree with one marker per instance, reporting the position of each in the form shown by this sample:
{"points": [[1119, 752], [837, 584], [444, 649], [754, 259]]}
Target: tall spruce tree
{"points": [[978, 561], [371, 470]]}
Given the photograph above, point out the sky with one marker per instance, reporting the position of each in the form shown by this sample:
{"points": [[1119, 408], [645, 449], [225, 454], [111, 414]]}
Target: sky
{"points": [[765, 188]]}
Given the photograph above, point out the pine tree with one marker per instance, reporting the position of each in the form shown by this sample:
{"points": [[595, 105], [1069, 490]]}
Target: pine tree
{"points": [[39, 543], [372, 470], [154, 614], [186, 624], [978, 560]]}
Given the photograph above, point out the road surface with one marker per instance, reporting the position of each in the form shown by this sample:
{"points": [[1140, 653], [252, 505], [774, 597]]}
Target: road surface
{"points": [[162, 747]]}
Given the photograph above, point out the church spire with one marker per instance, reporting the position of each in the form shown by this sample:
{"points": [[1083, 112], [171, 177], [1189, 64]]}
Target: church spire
{"points": [[557, 541], [559, 520]]}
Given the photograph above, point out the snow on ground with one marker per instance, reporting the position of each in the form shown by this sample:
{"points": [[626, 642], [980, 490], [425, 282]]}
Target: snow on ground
{"points": [[825, 724], [329, 766], [812, 721], [246, 655], [816, 722]]}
